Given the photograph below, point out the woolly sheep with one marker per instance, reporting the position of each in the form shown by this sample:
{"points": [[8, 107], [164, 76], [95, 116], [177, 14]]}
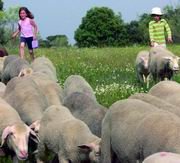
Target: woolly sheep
{"points": [[133, 130], [14, 132], [87, 110], [9, 59], [168, 91], [25, 96], [14, 67], [51, 90], [76, 83], [2, 88], [66, 136], [158, 102], [162, 63], [1, 65], [164, 89], [142, 67], [163, 157], [45, 66]]}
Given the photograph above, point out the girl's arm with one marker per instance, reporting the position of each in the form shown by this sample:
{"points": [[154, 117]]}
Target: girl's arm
{"points": [[35, 27], [15, 33]]}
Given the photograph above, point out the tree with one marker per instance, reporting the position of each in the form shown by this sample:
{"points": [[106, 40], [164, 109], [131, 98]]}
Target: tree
{"points": [[1, 5], [58, 40], [144, 27], [172, 15], [11, 18], [135, 34], [8, 21], [101, 27]]}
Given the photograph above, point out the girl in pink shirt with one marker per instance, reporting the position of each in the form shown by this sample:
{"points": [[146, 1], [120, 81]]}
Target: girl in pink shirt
{"points": [[28, 31]]}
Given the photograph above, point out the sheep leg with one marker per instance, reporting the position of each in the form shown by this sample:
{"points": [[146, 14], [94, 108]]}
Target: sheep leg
{"points": [[15, 159], [140, 78], [62, 159], [144, 79], [147, 81]]}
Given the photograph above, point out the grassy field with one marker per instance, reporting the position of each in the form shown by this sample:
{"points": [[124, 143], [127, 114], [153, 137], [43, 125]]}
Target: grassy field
{"points": [[110, 71]]}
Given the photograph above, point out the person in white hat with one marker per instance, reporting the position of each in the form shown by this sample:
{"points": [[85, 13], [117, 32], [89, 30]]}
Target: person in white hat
{"points": [[157, 29]]}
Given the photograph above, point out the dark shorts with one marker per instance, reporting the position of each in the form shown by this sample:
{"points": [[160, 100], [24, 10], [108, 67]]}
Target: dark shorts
{"points": [[28, 41]]}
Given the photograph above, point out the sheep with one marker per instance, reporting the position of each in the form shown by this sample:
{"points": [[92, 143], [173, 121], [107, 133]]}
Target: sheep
{"points": [[162, 63], [168, 91], [158, 102], [66, 136], [28, 100], [133, 130], [87, 110], [163, 157], [1, 65], [9, 59], [142, 67], [14, 133], [76, 83], [164, 89], [3, 52], [45, 66], [2, 88], [51, 90], [14, 68], [4, 61]]}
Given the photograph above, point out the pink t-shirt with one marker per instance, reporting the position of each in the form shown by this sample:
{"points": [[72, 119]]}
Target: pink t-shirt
{"points": [[26, 28]]}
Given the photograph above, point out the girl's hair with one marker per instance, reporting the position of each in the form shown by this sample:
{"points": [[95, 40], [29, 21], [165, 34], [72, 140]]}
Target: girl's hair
{"points": [[29, 14]]}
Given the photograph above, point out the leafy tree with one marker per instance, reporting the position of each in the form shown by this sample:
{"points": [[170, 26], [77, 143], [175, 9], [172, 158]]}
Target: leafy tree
{"points": [[172, 15], [101, 27], [1, 5], [58, 40], [8, 21], [135, 34], [11, 18], [144, 27], [44, 43]]}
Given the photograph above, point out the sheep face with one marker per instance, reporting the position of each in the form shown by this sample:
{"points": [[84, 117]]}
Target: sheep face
{"points": [[93, 151], [17, 137], [173, 63], [145, 62]]}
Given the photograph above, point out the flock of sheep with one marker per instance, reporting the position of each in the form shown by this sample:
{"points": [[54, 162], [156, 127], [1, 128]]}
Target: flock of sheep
{"points": [[42, 122], [158, 63]]}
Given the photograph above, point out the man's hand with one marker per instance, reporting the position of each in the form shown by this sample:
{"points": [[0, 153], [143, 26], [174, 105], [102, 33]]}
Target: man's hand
{"points": [[152, 44], [170, 39]]}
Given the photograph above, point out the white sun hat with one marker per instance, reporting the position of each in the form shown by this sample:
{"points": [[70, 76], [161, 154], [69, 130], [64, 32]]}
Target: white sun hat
{"points": [[156, 11]]}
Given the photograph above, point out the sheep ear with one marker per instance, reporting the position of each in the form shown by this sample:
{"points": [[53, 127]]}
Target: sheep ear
{"points": [[85, 147], [167, 58], [34, 136], [25, 71], [35, 126], [6, 132], [142, 58], [2, 153], [88, 147]]}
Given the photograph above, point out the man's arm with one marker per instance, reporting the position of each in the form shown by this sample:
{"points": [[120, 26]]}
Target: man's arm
{"points": [[151, 34], [169, 33]]}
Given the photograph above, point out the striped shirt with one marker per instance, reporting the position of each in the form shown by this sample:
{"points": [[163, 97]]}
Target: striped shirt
{"points": [[157, 31]]}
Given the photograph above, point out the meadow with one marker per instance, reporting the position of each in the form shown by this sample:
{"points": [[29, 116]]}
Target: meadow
{"points": [[110, 71]]}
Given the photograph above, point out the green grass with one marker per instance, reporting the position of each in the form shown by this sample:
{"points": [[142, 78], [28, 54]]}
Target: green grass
{"points": [[110, 71]]}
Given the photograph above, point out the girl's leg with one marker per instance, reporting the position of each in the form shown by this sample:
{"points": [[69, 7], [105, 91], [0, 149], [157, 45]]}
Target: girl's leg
{"points": [[31, 52], [21, 49]]}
